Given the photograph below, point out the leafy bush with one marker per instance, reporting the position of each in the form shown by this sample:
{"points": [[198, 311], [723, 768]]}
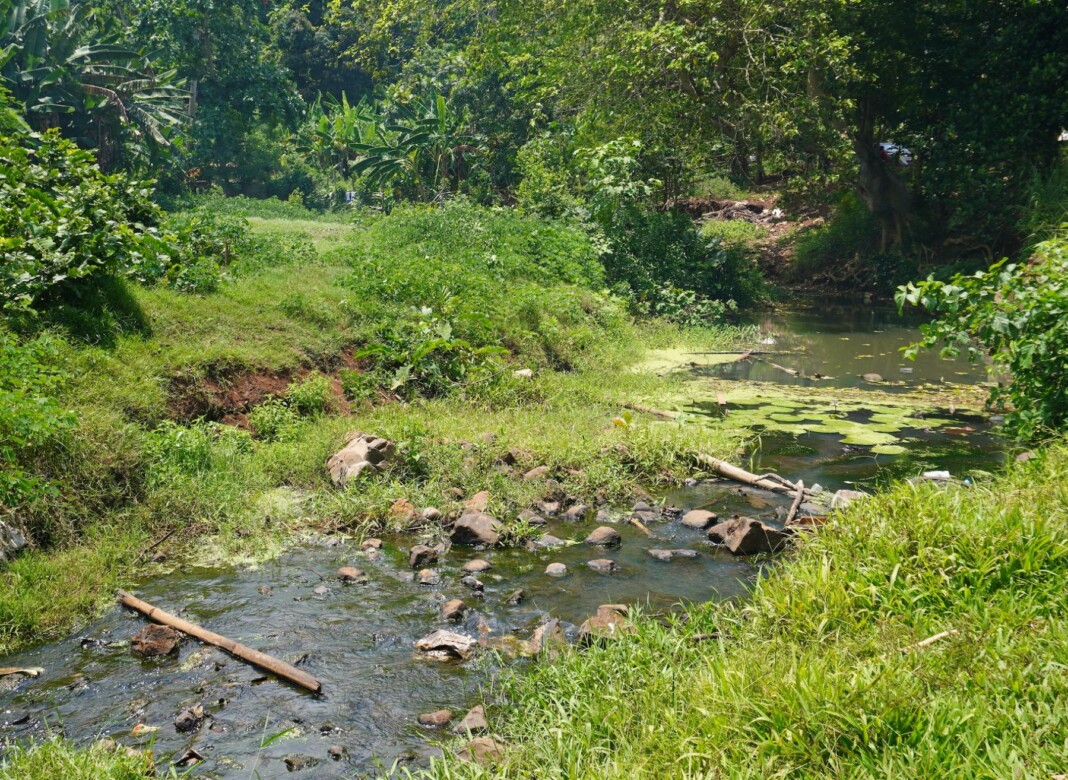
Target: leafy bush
{"points": [[851, 230], [438, 292], [62, 220], [425, 359], [30, 415], [273, 420], [686, 308], [650, 250], [310, 397], [1018, 315]]}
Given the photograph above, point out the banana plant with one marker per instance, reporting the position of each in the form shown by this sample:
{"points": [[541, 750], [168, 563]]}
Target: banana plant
{"points": [[66, 69], [422, 146]]}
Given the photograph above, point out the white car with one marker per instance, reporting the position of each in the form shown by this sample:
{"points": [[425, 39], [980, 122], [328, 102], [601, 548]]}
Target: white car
{"points": [[891, 151]]}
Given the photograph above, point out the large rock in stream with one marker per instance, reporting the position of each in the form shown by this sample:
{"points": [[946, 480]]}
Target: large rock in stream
{"points": [[610, 622], [476, 529], [446, 645], [154, 641], [746, 536]]}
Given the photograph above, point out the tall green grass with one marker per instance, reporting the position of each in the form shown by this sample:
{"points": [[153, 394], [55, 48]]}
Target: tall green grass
{"points": [[820, 674]]}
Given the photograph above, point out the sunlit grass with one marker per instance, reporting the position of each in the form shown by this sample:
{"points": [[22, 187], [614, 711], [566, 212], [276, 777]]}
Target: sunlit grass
{"points": [[818, 674]]}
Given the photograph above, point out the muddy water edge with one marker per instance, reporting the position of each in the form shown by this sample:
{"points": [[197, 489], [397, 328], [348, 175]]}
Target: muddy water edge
{"points": [[818, 419]]}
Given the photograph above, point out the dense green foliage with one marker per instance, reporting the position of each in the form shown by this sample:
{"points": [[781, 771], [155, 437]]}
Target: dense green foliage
{"points": [[1018, 316], [818, 673], [62, 220]]}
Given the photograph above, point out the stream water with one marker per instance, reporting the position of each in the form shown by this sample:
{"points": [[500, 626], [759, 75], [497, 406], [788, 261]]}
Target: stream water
{"points": [[358, 639]]}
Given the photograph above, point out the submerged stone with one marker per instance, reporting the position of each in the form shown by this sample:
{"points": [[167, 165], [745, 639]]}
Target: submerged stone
{"points": [[746, 536]]}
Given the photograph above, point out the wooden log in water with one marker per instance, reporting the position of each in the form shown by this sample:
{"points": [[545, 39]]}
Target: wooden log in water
{"points": [[640, 526], [797, 502], [746, 477], [255, 657]]}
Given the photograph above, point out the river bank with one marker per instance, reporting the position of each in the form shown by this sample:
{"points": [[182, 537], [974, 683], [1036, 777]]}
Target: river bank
{"points": [[916, 635], [235, 516]]}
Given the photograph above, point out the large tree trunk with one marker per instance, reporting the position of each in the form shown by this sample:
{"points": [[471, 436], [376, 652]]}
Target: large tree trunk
{"points": [[885, 194]]}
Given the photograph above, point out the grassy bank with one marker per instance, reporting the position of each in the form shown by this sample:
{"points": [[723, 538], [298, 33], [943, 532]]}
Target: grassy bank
{"points": [[205, 420], [820, 674]]}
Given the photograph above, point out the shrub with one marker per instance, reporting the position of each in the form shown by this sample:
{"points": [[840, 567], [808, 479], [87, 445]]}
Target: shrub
{"points": [[851, 230], [62, 220], [650, 250], [311, 397], [272, 420], [1018, 315]]}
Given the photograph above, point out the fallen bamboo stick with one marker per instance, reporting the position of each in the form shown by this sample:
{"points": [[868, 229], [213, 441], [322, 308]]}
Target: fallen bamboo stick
{"points": [[930, 640], [651, 410], [254, 657], [745, 477], [789, 371], [640, 526], [33, 671], [797, 502]]}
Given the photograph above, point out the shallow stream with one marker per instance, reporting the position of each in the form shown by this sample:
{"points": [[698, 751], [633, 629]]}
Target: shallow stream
{"points": [[358, 639]]}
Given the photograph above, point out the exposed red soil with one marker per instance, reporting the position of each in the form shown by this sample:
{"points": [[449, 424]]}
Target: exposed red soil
{"points": [[229, 398]]}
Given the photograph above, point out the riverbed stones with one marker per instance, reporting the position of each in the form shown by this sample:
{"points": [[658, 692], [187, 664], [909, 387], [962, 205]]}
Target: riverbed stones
{"points": [[610, 622], [516, 597], [371, 544], [300, 763], [548, 639], [189, 719], [12, 541], [478, 502], [453, 610], [351, 574], [446, 645], [538, 472], [844, 498], [428, 577], [476, 529], [474, 722], [363, 453], [548, 540], [532, 518], [154, 641], [483, 751], [402, 510], [667, 556], [576, 513], [477, 566], [604, 536], [437, 719], [873, 378], [548, 506], [337, 752], [603, 566], [746, 536], [701, 519], [422, 556], [556, 570], [472, 582], [644, 513], [431, 514]]}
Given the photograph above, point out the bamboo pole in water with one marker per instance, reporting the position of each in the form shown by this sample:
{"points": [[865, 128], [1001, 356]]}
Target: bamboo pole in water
{"points": [[254, 657], [746, 477]]}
